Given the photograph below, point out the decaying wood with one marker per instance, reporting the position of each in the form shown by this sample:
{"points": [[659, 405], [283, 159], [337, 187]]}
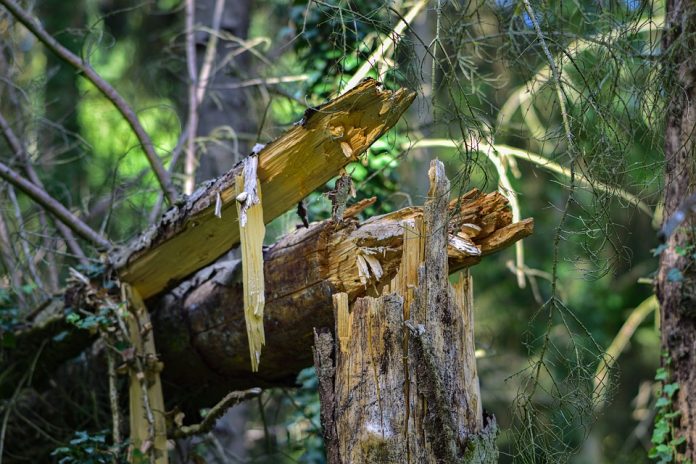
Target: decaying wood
{"points": [[148, 429], [190, 236], [199, 326], [404, 389], [252, 232]]}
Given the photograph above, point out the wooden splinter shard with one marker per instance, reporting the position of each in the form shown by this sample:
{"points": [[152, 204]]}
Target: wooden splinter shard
{"points": [[251, 233]]}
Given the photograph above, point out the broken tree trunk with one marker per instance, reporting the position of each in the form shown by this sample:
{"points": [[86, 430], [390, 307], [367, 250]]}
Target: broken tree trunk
{"points": [[190, 236], [199, 326], [399, 383]]}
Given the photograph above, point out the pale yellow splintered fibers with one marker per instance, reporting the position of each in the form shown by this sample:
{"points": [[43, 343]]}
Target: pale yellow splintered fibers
{"points": [[251, 232]]}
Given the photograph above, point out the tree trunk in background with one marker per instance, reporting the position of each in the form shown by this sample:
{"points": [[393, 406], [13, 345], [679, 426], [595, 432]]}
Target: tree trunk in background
{"points": [[676, 281], [64, 20], [224, 109], [398, 381]]}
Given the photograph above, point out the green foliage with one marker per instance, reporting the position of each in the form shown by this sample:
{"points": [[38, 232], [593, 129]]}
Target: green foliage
{"points": [[306, 414], [337, 38], [665, 442], [86, 448]]}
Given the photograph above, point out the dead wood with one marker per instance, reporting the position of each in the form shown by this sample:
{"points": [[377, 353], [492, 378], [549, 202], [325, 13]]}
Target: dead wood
{"points": [[190, 235]]}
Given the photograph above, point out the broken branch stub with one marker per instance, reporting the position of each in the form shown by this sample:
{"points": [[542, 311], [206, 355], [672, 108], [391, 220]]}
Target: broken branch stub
{"points": [[189, 236]]}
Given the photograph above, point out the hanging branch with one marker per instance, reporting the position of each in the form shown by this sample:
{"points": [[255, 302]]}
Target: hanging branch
{"points": [[52, 206], [104, 87], [19, 151]]}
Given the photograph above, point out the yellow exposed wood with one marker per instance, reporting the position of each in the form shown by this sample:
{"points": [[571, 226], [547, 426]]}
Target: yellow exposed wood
{"points": [[252, 232], [343, 319], [291, 167], [147, 422]]}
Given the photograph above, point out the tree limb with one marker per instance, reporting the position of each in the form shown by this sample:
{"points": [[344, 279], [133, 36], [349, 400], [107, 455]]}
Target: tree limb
{"points": [[52, 206], [104, 87]]}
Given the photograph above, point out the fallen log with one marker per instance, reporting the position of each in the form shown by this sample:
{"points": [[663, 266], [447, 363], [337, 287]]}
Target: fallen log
{"points": [[190, 235], [199, 325]]}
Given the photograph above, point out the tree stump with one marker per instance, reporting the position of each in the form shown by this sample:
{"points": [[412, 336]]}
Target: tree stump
{"points": [[398, 381]]}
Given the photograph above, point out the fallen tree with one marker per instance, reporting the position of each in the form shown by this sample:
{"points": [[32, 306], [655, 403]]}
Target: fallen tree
{"points": [[199, 325], [199, 230]]}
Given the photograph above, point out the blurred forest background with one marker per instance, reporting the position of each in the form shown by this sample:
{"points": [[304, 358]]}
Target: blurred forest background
{"points": [[586, 166]]}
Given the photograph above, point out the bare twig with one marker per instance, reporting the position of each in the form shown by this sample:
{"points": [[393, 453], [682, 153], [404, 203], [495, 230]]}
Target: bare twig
{"points": [[384, 48], [20, 152], [113, 398], [216, 412], [104, 87], [547, 164], [52, 206], [619, 343], [24, 240], [8, 257]]}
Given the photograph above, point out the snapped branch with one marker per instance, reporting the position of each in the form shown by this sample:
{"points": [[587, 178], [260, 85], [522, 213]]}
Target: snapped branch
{"points": [[104, 87]]}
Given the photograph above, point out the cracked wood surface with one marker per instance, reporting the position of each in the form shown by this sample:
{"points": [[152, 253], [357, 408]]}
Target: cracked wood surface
{"points": [[399, 384], [189, 236], [199, 325]]}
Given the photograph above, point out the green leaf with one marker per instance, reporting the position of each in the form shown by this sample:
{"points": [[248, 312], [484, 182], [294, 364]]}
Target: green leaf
{"points": [[662, 402], [661, 374], [674, 275], [670, 389], [658, 251]]}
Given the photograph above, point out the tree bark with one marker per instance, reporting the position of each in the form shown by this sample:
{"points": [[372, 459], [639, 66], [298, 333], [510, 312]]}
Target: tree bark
{"points": [[676, 280], [191, 235], [399, 383], [199, 325], [224, 109]]}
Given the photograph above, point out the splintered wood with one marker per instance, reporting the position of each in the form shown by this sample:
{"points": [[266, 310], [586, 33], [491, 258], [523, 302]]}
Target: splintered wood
{"points": [[190, 236], [402, 385], [148, 426], [251, 232]]}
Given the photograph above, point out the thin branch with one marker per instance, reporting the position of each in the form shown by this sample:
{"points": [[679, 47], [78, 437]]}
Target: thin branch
{"points": [[113, 398], [547, 164], [19, 151], [216, 412], [8, 258], [555, 73], [52, 206], [210, 50], [384, 48], [619, 343], [24, 240], [524, 93], [106, 89]]}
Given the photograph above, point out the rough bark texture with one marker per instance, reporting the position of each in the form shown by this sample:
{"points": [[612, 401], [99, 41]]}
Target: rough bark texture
{"points": [[199, 326], [677, 290], [190, 236], [405, 389]]}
